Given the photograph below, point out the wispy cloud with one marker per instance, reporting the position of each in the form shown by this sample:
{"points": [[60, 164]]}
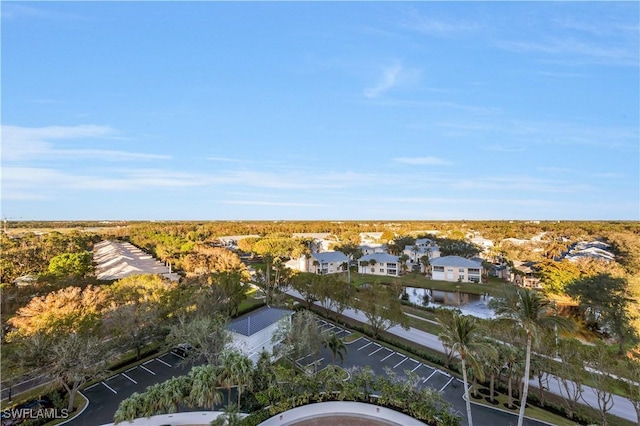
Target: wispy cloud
{"points": [[569, 49], [387, 81], [15, 10], [271, 203], [520, 183], [392, 76], [422, 161], [31, 143], [439, 27], [503, 148]]}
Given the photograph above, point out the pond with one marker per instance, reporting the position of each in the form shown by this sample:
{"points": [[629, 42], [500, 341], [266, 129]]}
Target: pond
{"points": [[467, 303]]}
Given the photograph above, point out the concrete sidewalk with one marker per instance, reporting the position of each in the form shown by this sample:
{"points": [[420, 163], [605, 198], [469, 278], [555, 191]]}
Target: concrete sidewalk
{"points": [[622, 407]]}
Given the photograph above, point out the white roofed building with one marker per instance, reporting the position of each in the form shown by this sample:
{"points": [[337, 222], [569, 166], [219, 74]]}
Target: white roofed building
{"points": [[252, 332], [456, 269], [379, 264]]}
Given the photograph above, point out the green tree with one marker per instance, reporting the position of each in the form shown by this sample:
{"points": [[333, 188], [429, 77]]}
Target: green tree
{"points": [[299, 337], [336, 346], [381, 305], [207, 335], [534, 314], [140, 307], [75, 359], [204, 387], [69, 310], [71, 264], [466, 339], [606, 300]]}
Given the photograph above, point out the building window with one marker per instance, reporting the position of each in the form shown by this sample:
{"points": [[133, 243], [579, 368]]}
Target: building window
{"points": [[438, 269], [461, 277], [461, 270]]}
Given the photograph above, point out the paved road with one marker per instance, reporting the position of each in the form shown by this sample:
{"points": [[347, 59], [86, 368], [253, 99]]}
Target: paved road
{"points": [[381, 359], [105, 396], [622, 407]]}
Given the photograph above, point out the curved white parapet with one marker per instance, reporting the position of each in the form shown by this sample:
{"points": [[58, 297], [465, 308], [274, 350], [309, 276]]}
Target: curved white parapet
{"points": [[192, 418], [342, 408]]}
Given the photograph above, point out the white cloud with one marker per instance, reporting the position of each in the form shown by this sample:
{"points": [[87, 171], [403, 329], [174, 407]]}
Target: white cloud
{"points": [[387, 81], [271, 203], [30, 143], [392, 76], [440, 27], [590, 52], [428, 161]]}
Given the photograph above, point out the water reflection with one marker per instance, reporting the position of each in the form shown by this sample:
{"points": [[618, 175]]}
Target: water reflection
{"points": [[468, 303]]}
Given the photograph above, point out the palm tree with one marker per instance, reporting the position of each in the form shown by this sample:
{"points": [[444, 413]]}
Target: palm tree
{"points": [[363, 265], [534, 314], [129, 409], [174, 392], [465, 338], [425, 263], [243, 374], [204, 391], [372, 262], [336, 345]]}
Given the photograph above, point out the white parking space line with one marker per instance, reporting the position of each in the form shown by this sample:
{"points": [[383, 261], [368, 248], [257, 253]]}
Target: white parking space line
{"points": [[147, 362], [92, 386], [365, 346], [430, 375], [164, 362], [416, 367], [129, 378], [388, 356], [300, 359], [450, 380], [145, 368], [396, 366], [109, 387], [379, 349], [179, 356], [131, 369], [444, 373]]}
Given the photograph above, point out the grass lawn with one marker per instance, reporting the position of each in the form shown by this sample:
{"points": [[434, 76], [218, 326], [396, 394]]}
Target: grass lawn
{"points": [[415, 279]]}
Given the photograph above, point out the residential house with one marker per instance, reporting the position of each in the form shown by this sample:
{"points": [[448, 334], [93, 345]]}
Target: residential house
{"points": [[524, 274], [379, 264], [370, 237], [328, 262], [590, 249], [456, 269], [372, 248], [251, 333]]}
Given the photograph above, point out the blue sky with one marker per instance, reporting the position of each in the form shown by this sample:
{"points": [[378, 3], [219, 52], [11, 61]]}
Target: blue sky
{"points": [[320, 110]]}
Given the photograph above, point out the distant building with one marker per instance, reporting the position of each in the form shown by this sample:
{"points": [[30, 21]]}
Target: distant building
{"points": [[456, 269], [524, 274], [590, 249], [372, 248], [328, 262], [379, 264], [252, 333]]}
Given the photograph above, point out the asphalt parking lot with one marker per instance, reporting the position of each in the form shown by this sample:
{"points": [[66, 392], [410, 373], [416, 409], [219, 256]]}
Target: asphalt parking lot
{"points": [[365, 352], [105, 396]]}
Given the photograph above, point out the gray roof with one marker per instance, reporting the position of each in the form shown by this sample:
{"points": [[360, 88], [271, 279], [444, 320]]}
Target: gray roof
{"points": [[330, 257], [380, 258], [255, 321], [455, 261]]}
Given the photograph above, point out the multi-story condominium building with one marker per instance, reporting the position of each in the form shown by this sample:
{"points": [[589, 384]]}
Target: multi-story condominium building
{"points": [[379, 264], [328, 262], [456, 269]]}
